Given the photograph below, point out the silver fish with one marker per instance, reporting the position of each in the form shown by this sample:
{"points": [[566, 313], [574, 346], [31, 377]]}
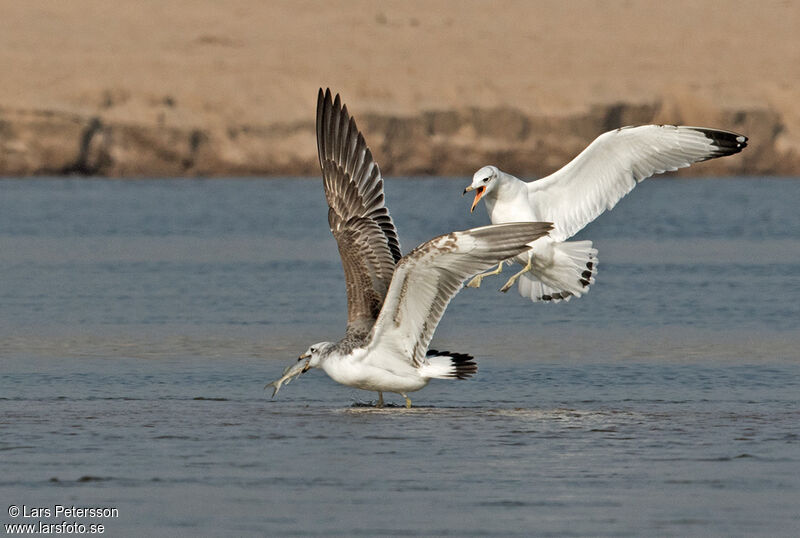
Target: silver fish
{"points": [[291, 371]]}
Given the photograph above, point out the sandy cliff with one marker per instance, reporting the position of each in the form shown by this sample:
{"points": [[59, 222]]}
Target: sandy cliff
{"points": [[192, 88]]}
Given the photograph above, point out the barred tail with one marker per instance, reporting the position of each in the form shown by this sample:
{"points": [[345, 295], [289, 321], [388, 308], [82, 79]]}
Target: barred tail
{"points": [[571, 272]]}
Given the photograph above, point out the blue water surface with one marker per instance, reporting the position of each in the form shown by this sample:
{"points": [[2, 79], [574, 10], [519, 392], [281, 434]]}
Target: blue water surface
{"points": [[141, 319]]}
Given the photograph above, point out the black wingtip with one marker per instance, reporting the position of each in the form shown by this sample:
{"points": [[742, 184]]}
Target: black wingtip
{"points": [[337, 102], [725, 142]]}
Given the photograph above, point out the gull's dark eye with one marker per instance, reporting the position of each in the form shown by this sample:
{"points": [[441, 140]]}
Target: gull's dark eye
{"points": [[486, 180]]}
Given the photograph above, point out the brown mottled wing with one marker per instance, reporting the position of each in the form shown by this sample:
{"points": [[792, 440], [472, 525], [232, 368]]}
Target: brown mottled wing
{"points": [[429, 276], [359, 221]]}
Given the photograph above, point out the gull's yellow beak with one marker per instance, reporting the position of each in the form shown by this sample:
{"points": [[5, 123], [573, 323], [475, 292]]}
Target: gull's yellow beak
{"points": [[478, 193]]}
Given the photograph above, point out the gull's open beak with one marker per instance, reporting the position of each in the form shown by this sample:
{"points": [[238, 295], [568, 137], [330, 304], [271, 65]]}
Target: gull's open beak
{"points": [[470, 188], [478, 193], [306, 367]]}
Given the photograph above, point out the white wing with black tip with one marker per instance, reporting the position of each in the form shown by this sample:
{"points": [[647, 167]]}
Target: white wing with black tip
{"points": [[614, 163]]}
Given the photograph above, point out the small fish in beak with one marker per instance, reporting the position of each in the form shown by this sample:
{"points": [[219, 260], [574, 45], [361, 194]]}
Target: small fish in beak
{"points": [[292, 371]]}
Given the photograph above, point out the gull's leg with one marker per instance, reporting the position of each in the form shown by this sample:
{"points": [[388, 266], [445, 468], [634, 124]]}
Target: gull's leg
{"points": [[528, 267], [380, 400], [476, 280], [408, 400]]}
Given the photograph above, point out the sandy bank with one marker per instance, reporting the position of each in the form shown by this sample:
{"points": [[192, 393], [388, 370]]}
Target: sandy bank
{"points": [[190, 88]]}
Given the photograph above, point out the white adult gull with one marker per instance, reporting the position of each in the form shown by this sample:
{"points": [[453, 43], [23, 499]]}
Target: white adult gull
{"points": [[394, 302], [609, 168]]}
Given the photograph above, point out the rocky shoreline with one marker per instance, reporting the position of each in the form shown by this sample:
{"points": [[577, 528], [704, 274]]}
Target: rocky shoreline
{"points": [[442, 143]]}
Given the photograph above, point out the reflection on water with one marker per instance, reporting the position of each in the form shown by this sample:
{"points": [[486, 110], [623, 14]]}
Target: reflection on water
{"points": [[140, 321]]}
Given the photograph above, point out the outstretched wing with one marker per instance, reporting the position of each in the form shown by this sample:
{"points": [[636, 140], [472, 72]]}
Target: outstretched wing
{"points": [[614, 163], [359, 221], [429, 276]]}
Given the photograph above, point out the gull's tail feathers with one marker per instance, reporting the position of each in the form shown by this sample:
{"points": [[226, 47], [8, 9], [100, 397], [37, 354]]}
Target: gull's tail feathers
{"points": [[572, 271], [447, 365]]}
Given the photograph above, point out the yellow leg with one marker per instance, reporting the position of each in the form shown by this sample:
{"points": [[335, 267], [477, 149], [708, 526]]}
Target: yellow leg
{"points": [[408, 401], [380, 400], [528, 267], [476, 281]]}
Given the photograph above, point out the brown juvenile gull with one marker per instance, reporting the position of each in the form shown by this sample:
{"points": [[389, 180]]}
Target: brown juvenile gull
{"points": [[394, 302], [604, 172]]}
